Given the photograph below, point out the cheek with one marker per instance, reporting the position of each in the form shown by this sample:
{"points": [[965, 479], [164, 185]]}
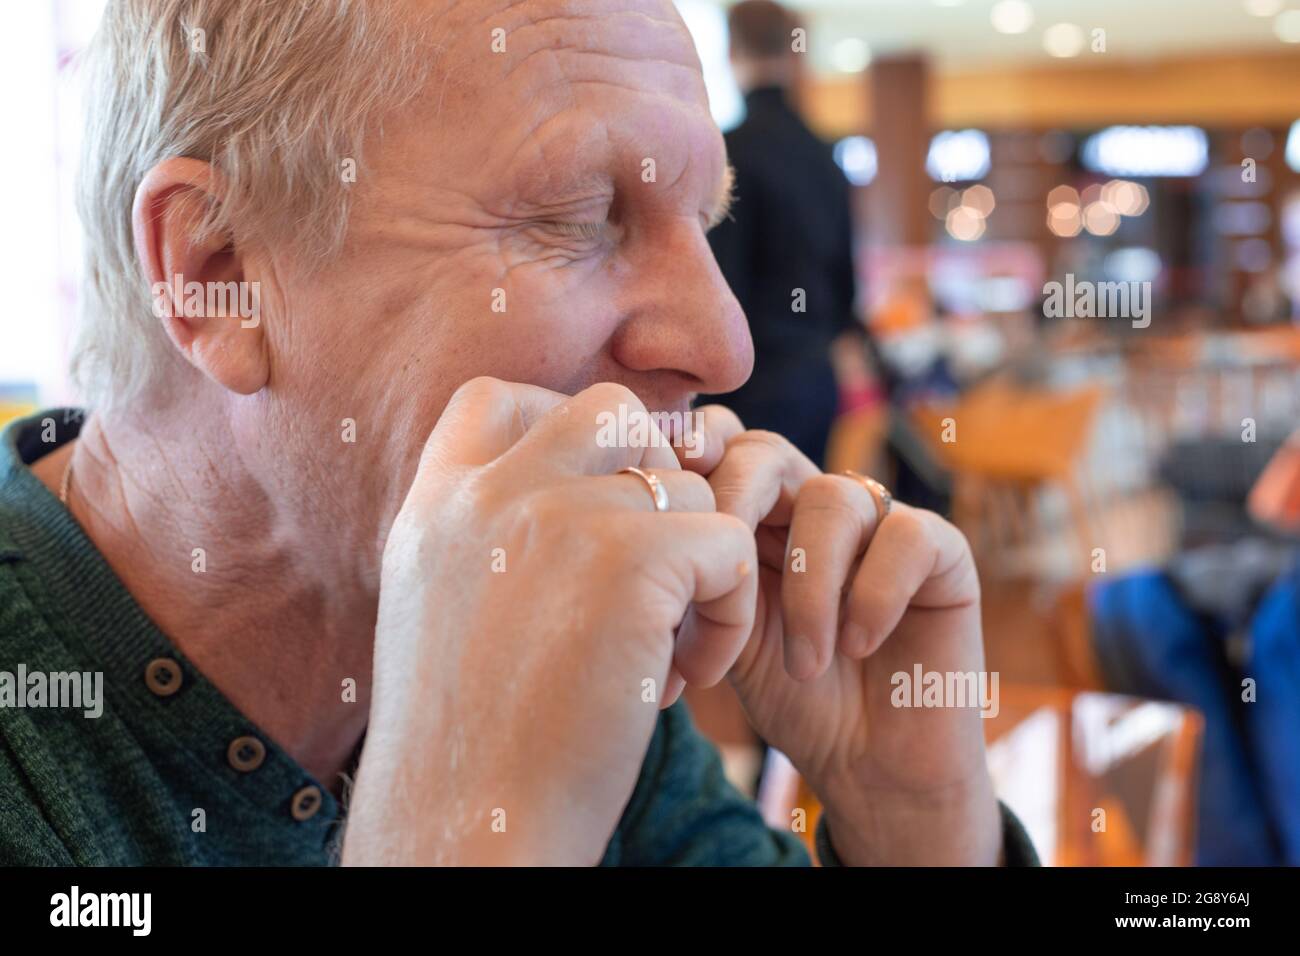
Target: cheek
{"points": [[401, 343], [560, 342]]}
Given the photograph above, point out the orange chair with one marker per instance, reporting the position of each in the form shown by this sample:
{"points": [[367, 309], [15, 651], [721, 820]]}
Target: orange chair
{"points": [[1097, 779], [1003, 444], [857, 442]]}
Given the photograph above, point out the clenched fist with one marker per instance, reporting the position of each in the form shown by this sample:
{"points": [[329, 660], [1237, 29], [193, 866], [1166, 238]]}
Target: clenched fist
{"points": [[529, 592]]}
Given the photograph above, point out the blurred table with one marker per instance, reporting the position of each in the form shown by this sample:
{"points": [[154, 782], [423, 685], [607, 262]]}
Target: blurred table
{"points": [[1208, 382]]}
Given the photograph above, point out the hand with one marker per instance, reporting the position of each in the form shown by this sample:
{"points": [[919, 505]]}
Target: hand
{"points": [[873, 599], [522, 689]]}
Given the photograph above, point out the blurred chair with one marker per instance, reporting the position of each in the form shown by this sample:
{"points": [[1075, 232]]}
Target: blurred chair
{"points": [[1009, 444], [857, 442], [1097, 779], [1071, 633], [11, 409]]}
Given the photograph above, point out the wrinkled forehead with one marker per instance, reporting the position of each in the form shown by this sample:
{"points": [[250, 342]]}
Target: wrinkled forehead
{"points": [[537, 75], [502, 38]]}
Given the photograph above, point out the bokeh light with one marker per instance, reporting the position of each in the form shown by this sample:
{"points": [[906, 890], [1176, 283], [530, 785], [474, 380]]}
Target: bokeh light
{"points": [[965, 223], [1100, 218], [1064, 219]]}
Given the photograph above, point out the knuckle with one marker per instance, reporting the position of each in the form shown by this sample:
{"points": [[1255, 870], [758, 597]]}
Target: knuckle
{"points": [[762, 438], [942, 530], [731, 525], [720, 415], [834, 493], [627, 548], [913, 528], [945, 528], [482, 390], [541, 512], [697, 487], [831, 488], [728, 524], [485, 492]]}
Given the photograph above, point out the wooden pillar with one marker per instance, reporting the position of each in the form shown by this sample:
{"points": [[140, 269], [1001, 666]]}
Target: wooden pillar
{"points": [[899, 92]]}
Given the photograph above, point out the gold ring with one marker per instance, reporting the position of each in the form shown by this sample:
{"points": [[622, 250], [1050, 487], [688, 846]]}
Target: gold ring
{"points": [[879, 493], [657, 490]]}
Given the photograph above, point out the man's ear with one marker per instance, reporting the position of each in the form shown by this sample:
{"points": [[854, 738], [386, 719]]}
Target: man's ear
{"points": [[197, 282]]}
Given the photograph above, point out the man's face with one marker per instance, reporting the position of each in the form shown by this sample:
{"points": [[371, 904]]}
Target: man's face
{"points": [[538, 215]]}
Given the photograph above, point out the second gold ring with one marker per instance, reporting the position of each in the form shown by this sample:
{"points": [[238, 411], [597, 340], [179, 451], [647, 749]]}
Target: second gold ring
{"points": [[879, 493]]}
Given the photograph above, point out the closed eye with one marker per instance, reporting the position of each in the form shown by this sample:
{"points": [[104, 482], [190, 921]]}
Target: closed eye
{"points": [[581, 230]]}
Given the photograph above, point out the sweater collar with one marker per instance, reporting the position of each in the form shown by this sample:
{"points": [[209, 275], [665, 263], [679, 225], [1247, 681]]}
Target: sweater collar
{"points": [[78, 596]]}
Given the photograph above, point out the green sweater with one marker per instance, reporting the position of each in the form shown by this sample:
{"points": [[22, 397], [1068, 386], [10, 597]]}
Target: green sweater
{"points": [[156, 766]]}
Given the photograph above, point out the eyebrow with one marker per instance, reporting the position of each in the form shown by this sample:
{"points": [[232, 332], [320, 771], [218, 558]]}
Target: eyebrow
{"points": [[726, 197]]}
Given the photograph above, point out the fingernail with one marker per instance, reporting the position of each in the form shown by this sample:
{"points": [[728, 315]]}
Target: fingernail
{"points": [[800, 658]]}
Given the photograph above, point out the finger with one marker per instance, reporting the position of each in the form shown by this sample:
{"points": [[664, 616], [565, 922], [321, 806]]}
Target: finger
{"points": [[716, 552], [915, 559], [586, 435], [759, 478], [716, 425], [483, 419], [673, 688], [626, 491], [833, 521]]}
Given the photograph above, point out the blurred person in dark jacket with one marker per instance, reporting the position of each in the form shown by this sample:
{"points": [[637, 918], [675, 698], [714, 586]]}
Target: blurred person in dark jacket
{"points": [[786, 250]]}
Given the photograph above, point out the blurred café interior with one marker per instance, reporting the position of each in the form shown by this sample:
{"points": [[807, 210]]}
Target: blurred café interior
{"points": [[1125, 482], [1128, 483]]}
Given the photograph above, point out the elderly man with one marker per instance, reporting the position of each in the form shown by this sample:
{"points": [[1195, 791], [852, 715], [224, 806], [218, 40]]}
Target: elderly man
{"points": [[341, 516]]}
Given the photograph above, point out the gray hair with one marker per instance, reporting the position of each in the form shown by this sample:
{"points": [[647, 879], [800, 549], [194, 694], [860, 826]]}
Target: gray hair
{"points": [[275, 94]]}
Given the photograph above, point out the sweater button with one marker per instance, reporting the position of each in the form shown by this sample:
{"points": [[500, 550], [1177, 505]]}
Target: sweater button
{"points": [[305, 803], [246, 754], [163, 676]]}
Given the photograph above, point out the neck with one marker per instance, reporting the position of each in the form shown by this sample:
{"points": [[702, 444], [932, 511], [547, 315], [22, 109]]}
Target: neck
{"points": [[253, 585]]}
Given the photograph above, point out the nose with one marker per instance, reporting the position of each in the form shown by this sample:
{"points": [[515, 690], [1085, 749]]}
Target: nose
{"points": [[682, 315]]}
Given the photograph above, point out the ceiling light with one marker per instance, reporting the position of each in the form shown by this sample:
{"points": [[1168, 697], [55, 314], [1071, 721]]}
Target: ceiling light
{"points": [[1287, 26], [1263, 8], [957, 155], [856, 155], [851, 55], [1012, 16], [1063, 40], [1148, 151], [1293, 147]]}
